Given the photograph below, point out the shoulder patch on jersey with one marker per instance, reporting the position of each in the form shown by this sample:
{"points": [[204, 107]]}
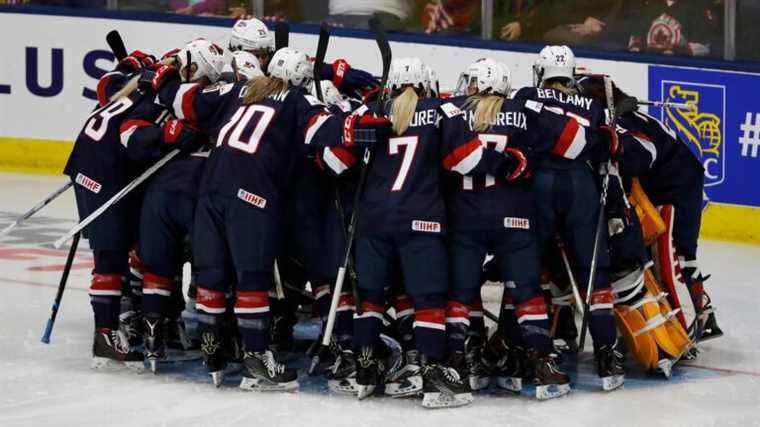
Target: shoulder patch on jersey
{"points": [[533, 105], [451, 110], [313, 100]]}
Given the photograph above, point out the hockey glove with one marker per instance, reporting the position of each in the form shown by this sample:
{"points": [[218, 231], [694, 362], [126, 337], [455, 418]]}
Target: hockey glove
{"points": [[348, 80], [517, 162], [182, 136], [155, 78], [366, 130], [137, 60]]}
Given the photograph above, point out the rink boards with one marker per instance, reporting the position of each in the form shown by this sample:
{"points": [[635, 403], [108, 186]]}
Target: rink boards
{"points": [[48, 79]]}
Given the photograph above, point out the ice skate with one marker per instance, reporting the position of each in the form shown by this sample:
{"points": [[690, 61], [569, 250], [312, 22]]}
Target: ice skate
{"points": [[550, 381], [262, 372], [109, 347], [477, 371], [407, 381], [443, 387], [511, 369], [213, 357], [369, 372], [341, 377], [609, 367]]}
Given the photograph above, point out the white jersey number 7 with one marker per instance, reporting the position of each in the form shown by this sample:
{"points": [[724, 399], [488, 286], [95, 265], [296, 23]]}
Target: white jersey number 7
{"points": [[394, 144]]}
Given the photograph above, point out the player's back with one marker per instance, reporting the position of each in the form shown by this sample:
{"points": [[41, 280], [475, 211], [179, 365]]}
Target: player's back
{"points": [[257, 145], [403, 187]]}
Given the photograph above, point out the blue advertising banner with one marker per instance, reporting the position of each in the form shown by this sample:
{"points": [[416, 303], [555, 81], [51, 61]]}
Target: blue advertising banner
{"points": [[723, 130]]}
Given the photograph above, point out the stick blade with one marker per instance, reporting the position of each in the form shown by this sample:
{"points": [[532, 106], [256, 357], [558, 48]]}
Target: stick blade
{"points": [[281, 35], [115, 42], [319, 60]]}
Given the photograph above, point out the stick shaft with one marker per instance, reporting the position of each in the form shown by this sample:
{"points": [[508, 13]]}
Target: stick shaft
{"points": [[115, 198], [28, 214], [61, 288]]}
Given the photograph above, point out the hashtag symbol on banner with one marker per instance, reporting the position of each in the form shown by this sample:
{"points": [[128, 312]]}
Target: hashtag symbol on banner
{"points": [[750, 139]]}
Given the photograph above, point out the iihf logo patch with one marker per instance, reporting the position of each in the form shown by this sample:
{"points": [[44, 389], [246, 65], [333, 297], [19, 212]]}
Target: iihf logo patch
{"points": [[703, 127]]}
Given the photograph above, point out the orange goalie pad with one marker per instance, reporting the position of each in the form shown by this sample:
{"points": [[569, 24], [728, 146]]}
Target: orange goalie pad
{"points": [[652, 225], [671, 337], [642, 346]]}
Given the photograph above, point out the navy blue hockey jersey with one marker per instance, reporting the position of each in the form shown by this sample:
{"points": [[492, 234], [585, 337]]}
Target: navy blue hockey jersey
{"points": [[403, 191], [109, 150], [578, 143], [257, 145], [492, 202]]}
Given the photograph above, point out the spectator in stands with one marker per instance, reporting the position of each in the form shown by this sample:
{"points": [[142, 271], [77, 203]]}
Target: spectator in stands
{"points": [[677, 27], [515, 20], [449, 17]]}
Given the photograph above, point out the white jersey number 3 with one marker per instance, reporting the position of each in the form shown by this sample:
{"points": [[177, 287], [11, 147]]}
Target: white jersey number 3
{"points": [[394, 145], [97, 125]]}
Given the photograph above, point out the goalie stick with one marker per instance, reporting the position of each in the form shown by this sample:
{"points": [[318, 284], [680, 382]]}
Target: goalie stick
{"points": [[385, 53]]}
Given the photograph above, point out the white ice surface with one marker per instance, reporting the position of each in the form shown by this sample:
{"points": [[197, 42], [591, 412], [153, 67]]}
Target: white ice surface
{"points": [[52, 385]]}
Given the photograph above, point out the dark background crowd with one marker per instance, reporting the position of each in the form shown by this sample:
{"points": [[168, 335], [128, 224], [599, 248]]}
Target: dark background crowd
{"points": [[672, 27]]}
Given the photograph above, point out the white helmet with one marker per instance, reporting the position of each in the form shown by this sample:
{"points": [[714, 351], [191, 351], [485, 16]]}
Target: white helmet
{"points": [[292, 66], [407, 71], [554, 61], [208, 58], [489, 76], [432, 84], [246, 65], [251, 34]]}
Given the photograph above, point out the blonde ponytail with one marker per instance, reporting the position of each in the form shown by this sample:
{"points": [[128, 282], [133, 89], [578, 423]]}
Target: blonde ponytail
{"points": [[487, 108], [261, 87], [402, 110]]}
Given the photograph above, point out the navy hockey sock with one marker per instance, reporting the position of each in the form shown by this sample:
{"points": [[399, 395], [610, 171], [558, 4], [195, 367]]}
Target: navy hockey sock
{"points": [[105, 298], [602, 322], [367, 325], [253, 318], [157, 294], [405, 321], [457, 325]]}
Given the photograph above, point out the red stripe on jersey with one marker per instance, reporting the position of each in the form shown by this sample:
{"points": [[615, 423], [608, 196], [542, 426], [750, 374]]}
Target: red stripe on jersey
{"points": [[101, 90], [457, 309], [152, 281], [370, 307], [566, 138], [106, 282], [402, 303], [430, 315], [210, 298], [533, 306], [187, 103], [345, 300], [345, 156], [128, 124], [602, 296], [252, 299], [460, 153]]}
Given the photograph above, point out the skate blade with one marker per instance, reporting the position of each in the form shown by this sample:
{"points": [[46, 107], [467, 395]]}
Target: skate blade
{"points": [[709, 335], [612, 382], [343, 386], [104, 363], [435, 400], [410, 386], [256, 384], [479, 383], [551, 391], [217, 378], [665, 367], [153, 365], [512, 384], [364, 391]]}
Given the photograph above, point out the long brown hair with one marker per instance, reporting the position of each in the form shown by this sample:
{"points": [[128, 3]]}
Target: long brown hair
{"points": [[260, 87], [486, 107], [403, 108]]}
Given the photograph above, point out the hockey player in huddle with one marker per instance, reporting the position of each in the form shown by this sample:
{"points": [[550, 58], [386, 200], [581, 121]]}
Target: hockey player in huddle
{"points": [[494, 213], [168, 208], [257, 126], [670, 174], [110, 150], [402, 222], [566, 191]]}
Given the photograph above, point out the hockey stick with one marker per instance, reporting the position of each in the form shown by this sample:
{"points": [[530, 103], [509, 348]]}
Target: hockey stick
{"points": [[319, 60], [668, 104], [28, 214], [385, 52], [281, 35], [605, 171], [115, 198], [579, 303], [113, 38], [61, 288]]}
